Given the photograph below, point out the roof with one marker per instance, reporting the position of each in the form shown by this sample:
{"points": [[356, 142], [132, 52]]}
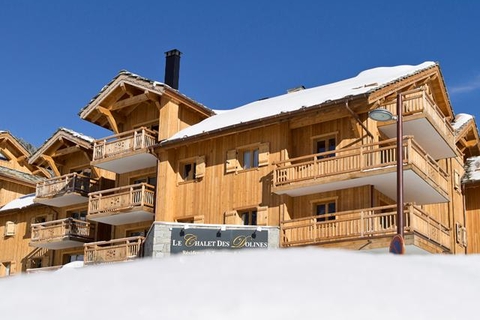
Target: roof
{"points": [[152, 83], [364, 83], [472, 170], [62, 133], [19, 203], [460, 121], [18, 175]]}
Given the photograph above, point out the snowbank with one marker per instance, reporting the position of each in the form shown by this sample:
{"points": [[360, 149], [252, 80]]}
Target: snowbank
{"points": [[275, 284]]}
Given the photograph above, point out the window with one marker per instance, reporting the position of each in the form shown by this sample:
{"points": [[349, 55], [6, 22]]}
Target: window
{"points": [[323, 210], [256, 216], [67, 258], [247, 157], [136, 233], [187, 171], [79, 215], [36, 263], [325, 144], [249, 218], [6, 269], [148, 180], [191, 169], [40, 219]]}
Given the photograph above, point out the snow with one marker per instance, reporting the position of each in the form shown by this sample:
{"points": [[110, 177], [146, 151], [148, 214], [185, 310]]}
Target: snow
{"points": [[472, 169], [275, 284], [78, 135], [460, 120], [365, 82], [19, 203]]}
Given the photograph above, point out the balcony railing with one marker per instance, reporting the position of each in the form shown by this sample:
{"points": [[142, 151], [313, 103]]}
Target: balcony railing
{"points": [[418, 102], [73, 182], [59, 230], [113, 251], [122, 198], [364, 158], [122, 143], [363, 224]]}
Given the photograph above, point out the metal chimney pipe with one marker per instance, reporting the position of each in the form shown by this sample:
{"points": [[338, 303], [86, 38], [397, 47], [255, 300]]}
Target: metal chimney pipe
{"points": [[172, 68]]}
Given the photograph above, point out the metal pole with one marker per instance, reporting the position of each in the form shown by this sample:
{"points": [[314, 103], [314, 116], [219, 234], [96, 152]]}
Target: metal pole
{"points": [[400, 220]]}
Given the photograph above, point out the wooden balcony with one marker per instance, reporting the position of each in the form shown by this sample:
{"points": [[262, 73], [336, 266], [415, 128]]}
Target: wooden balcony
{"points": [[371, 164], [67, 190], [123, 205], [61, 234], [423, 119], [113, 251], [365, 224], [125, 152]]}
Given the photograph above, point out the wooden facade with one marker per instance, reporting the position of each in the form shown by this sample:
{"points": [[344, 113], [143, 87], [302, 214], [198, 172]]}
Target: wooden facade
{"points": [[323, 174]]}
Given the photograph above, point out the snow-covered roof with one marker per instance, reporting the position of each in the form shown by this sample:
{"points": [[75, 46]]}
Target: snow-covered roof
{"points": [[364, 83], [461, 119], [78, 135], [19, 203], [87, 141], [472, 170]]}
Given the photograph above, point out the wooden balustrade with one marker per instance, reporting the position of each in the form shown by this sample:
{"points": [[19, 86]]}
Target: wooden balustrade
{"points": [[361, 224], [114, 250], [73, 182], [358, 159], [124, 142], [121, 198], [60, 229], [418, 102]]}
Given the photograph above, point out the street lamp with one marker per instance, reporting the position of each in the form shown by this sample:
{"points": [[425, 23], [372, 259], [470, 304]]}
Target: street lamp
{"points": [[398, 243]]}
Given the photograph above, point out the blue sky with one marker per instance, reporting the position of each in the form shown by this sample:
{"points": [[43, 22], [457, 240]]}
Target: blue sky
{"points": [[56, 55]]}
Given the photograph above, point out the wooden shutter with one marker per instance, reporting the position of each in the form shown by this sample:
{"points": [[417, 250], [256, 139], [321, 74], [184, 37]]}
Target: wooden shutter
{"points": [[263, 152], [232, 163], [199, 219], [9, 228], [262, 216], [13, 267], [232, 217], [50, 216], [200, 167]]}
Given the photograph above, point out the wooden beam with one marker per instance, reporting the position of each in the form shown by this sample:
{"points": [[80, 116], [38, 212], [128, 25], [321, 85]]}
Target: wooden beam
{"points": [[129, 101], [88, 155], [124, 90], [110, 118], [52, 164], [65, 151]]}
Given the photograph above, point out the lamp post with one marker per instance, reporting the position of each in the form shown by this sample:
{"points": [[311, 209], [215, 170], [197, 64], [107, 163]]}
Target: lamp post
{"points": [[398, 244]]}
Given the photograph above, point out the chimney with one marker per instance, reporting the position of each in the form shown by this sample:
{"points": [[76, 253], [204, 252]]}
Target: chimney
{"points": [[172, 68]]}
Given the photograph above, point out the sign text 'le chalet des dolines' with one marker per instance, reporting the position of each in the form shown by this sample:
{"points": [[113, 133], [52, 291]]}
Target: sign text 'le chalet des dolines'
{"points": [[189, 241]]}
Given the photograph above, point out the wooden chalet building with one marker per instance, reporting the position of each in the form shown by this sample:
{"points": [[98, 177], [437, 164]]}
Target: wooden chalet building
{"points": [[313, 163], [16, 181], [306, 168]]}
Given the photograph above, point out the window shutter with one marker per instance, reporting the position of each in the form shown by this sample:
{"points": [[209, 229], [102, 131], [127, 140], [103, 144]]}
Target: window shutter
{"points": [[263, 152], [50, 217], [232, 162], [232, 217], [13, 267], [458, 232], [262, 216], [9, 228], [200, 167], [199, 219]]}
